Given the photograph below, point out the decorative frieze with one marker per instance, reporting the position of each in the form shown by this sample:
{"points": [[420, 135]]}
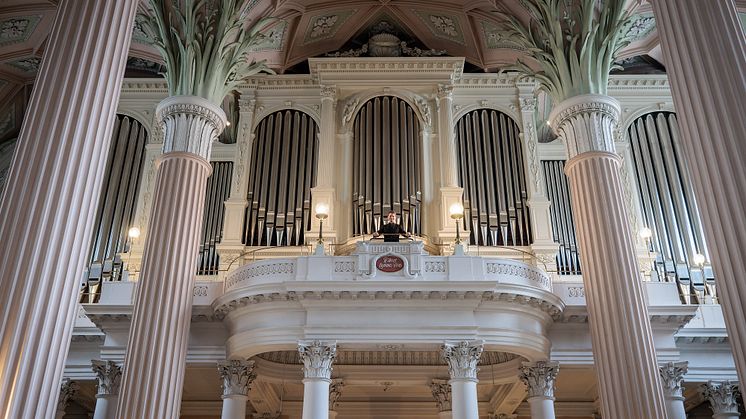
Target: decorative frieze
{"points": [[317, 358], [723, 397], [672, 377], [462, 358], [442, 394], [586, 123], [539, 378], [237, 376], [190, 124], [109, 376]]}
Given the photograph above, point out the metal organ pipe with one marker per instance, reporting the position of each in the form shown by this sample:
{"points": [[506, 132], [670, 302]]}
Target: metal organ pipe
{"points": [[492, 175], [283, 171], [563, 226]]}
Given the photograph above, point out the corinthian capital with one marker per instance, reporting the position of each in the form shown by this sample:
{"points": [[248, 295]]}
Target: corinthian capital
{"points": [[68, 390], [672, 376], [317, 358], [462, 358], [109, 376], [442, 394], [539, 378], [237, 376], [722, 397], [586, 123], [329, 92]]}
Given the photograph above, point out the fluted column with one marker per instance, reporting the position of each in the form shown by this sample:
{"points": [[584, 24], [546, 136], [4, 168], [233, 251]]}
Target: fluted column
{"points": [[672, 377], [51, 195], [68, 390], [109, 376], [237, 376], [317, 358], [623, 349], [156, 349], [539, 379], [325, 189], [450, 191], [442, 394], [705, 55], [335, 391], [462, 358], [723, 398]]}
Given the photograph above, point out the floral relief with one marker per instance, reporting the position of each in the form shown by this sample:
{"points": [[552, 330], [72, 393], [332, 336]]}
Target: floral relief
{"points": [[17, 30], [323, 25]]}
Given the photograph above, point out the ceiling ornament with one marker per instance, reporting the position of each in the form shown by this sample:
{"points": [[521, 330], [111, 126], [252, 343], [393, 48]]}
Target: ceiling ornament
{"points": [[641, 26], [322, 27], [140, 33], [273, 38], [27, 65], [442, 26], [17, 29], [8, 121], [496, 38]]}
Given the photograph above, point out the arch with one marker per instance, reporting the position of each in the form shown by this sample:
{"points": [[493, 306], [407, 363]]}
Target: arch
{"points": [[145, 119], [283, 163], [493, 176], [265, 110], [355, 102], [505, 109], [633, 116]]}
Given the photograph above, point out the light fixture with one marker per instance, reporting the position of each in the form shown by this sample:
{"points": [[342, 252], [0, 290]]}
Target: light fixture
{"points": [[699, 259], [646, 233], [133, 232], [457, 213], [227, 123], [322, 213]]}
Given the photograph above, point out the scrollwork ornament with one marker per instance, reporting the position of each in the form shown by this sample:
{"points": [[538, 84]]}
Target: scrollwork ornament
{"points": [[462, 359], [335, 391], [317, 358], [442, 394], [424, 109], [349, 111], [539, 378]]}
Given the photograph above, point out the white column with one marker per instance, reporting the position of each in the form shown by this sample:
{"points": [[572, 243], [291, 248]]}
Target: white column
{"points": [[462, 358], [723, 399], [450, 192], [68, 389], [156, 349], [335, 391], [539, 379], [442, 394], [672, 377], [325, 189], [629, 385], [317, 358], [51, 195], [705, 55], [237, 376], [109, 376]]}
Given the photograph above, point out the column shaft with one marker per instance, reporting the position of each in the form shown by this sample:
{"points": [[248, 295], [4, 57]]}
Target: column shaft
{"points": [[623, 347], [106, 406], [446, 138], [705, 56], [315, 398], [234, 407], [541, 407], [327, 138], [51, 197], [464, 404]]}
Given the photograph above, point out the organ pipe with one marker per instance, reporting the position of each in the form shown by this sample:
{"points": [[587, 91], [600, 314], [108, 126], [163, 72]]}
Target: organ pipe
{"points": [[218, 189], [283, 171], [492, 174], [563, 226], [386, 172]]}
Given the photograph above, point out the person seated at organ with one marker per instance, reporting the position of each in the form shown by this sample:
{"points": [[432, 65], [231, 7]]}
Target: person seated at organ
{"points": [[391, 230]]}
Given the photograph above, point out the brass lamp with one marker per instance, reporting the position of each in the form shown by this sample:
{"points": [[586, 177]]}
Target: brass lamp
{"points": [[322, 213], [457, 213]]}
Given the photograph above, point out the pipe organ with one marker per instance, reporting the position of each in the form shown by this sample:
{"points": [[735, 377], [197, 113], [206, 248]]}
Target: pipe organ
{"points": [[117, 202], [387, 165], [492, 174], [668, 205], [218, 189], [563, 224], [283, 171]]}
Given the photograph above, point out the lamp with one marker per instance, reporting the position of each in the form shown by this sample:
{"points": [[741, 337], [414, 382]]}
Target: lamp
{"points": [[322, 213], [699, 259], [132, 233], [646, 233], [456, 211]]}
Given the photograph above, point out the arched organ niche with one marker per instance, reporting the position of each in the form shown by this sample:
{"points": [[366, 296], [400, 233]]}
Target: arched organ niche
{"points": [[494, 180], [668, 206], [386, 173], [283, 171], [117, 203], [217, 191]]}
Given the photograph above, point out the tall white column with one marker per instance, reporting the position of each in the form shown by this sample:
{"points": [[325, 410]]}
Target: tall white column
{"points": [[450, 191], [723, 399], [109, 376], [462, 358], [237, 376], [442, 394], [623, 349], [335, 391], [317, 358], [705, 55], [672, 377], [156, 350], [51, 195], [325, 189], [68, 390], [539, 379]]}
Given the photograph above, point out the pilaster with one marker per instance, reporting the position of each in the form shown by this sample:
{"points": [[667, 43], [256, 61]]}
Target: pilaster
{"points": [[723, 398]]}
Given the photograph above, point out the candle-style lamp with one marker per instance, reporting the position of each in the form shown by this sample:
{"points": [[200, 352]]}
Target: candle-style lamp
{"points": [[133, 233], [322, 213], [457, 213]]}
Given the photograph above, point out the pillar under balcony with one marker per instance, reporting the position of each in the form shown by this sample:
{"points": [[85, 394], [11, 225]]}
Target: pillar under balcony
{"points": [[108, 376], [237, 376], [539, 378], [462, 358], [705, 57], [51, 196], [672, 377], [623, 348], [156, 350], [317, 358]]}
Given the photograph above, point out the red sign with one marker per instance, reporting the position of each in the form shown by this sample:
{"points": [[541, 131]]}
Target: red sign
{"points": [[390, 264]]}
